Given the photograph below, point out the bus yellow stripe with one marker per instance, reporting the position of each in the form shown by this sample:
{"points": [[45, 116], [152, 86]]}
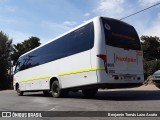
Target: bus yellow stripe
{"points": [[81, 71], [33, 79], [63, 74]]}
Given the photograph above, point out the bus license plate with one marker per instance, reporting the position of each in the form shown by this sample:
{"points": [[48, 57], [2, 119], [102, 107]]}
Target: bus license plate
{"points": [[128, 78]]}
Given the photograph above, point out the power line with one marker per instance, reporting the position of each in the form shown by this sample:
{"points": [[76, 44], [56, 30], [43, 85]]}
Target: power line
{"points": [[140, 11]]}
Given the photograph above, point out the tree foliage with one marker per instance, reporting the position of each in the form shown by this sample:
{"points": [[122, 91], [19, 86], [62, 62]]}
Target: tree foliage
{"points": [[151, 47], [151, 50], [151, 66], [24, 47], [5, 51]]}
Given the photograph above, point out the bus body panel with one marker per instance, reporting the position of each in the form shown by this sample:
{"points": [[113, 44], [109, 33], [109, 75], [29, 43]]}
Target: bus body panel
{"points": [[76, 70], [79, 79], [70, 72], [99, 48], [86, 68], [105, 78], [121, 61], [127, 64]]}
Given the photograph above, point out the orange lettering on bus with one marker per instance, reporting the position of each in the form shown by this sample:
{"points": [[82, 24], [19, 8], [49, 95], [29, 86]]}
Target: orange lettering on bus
{"points": [[139, 53], [125, 59]]}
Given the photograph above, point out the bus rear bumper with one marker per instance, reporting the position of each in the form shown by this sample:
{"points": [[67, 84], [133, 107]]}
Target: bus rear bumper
{"points": [[119, 85], [109, 86]]}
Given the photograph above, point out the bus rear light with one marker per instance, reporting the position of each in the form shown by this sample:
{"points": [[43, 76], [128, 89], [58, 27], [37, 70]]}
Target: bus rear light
{"points": [[103, 57]]}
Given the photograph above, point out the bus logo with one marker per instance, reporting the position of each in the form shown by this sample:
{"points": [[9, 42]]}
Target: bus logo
{"points": [[125, 59], [108, 27]]}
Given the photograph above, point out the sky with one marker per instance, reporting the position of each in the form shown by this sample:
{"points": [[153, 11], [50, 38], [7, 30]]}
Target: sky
{"points": [[47, 19]]}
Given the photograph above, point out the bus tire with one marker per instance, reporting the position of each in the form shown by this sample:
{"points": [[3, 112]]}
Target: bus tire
{"points": [[19, 92], [46, 93], [89, 92], [57, 91]]}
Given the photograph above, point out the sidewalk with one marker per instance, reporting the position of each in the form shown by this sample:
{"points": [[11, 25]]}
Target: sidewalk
{"points": [[148, 87]]}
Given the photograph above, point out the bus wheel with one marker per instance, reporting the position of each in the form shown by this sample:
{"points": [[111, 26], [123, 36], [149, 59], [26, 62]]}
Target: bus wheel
{"points": [[56, 90], [19, 92], [89, 92], [46, 93]]}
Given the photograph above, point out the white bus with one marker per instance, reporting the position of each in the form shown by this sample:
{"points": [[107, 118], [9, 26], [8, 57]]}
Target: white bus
{"points": [[101, 53]]}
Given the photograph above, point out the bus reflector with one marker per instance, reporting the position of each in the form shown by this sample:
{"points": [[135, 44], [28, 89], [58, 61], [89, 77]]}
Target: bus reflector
{"points": [[103, 57]]}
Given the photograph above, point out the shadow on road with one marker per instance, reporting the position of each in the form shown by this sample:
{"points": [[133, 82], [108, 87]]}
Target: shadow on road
{"points": [[122, 95]]}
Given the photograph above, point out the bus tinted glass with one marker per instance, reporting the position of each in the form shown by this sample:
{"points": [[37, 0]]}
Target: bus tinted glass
{"points": [[120, 34], [77, 41]]}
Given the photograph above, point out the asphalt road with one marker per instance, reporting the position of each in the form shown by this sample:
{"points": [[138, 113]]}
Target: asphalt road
{"points": [[137, 99]]}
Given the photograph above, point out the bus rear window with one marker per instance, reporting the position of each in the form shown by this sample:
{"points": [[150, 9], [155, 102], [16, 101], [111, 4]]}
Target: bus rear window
{"points": [[120, 34]]}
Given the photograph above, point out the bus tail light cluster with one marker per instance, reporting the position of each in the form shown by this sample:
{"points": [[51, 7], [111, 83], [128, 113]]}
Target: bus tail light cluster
{"points": [[104, 58]]}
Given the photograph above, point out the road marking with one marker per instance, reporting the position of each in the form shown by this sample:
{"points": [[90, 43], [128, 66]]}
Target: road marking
{"points": [[54, 108]]}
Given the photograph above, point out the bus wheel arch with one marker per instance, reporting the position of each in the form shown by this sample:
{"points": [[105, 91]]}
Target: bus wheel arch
{"points": [[52, 80], [55, 88], [19, 92]]}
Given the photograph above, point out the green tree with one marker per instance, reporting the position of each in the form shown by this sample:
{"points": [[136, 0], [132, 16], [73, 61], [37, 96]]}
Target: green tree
{"points": [[151, 47], [24, 47], [151, 66], [151, 50], [5, 60]]}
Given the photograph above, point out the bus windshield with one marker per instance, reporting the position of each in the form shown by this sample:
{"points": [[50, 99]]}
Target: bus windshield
{"points": [[120, 34]]}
